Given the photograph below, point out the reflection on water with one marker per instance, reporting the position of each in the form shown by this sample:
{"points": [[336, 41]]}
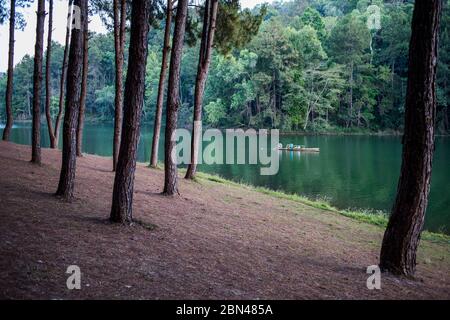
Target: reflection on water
{"points": [[350, 171]]}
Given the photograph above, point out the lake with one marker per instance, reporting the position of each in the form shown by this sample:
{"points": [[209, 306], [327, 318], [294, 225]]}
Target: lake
{"points": [[358, 172]]}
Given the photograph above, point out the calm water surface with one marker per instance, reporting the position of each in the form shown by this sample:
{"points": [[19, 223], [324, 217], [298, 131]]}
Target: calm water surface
{"points": [[359, 172]]}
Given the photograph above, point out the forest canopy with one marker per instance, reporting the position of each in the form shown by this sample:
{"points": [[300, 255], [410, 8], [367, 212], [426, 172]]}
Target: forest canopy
{"points": [[312, 66]]}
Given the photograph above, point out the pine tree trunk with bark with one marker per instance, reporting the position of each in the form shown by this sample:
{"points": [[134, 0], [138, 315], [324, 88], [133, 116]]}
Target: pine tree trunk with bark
{"points": [[209, 28], [9, 83], [119, 45], [122, 202], [48, 83], [80, 126], [402, 236], [350, 101], [74, 78], [446, 121], [37, 83], [173, 101], [64, 71], [162, 78]]}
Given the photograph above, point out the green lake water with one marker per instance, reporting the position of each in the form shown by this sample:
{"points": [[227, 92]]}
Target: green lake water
{"points": [[358, 172]]}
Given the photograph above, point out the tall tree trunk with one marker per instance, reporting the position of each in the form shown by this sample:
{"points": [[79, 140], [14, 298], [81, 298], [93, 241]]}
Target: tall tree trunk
{"points": [[64, 71], [162, 77], [308, 110], [122, 202], [74, 78], [274, 98], [83, 88], [446, 110], [37, 83], [209, 28], [29, 98], [9, 84], [393, 75], [119, 44], [350, 102], [446, 122], [401, 239], [358, 117], [48, 83], [173, 100]]}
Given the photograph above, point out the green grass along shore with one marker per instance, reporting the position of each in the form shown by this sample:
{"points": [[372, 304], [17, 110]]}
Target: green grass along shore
{"points": [[378, 218]]}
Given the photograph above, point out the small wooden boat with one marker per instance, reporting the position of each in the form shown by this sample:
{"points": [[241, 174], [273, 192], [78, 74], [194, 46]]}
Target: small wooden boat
{"points": [[301, 149], [297, 148]]}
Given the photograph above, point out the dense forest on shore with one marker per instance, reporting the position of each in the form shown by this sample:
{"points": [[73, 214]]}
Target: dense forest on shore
{"points": [[312, 66]]}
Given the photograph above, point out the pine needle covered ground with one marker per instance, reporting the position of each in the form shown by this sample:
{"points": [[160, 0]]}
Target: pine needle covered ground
{"points": [[216, 240]]}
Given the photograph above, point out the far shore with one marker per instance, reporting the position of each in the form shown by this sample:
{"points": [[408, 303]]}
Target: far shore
{"points": [[331, 132]]}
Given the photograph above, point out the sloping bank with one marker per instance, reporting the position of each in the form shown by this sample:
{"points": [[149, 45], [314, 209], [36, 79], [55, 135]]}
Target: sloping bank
{"points": [[375, 218]]}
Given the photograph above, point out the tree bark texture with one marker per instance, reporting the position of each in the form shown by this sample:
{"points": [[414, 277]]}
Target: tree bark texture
{"points": [[9, 83], [80, 126], [401, 238], [64, 72], [209, 28], [37, 83], [48, 80], [173, 101], [122, 201], [162, 78], [119, 44], [74, 78]]}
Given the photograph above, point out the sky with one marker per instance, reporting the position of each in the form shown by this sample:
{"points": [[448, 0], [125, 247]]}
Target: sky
{"points": [[25, 39]]}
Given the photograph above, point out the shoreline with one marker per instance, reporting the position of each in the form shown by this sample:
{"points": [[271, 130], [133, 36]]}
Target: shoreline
{"points": [[377, 218], [368, 132], [371, 216]]}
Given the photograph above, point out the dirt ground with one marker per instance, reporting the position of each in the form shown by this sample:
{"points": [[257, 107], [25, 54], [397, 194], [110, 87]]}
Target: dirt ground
{"points": [[215, 241]]}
